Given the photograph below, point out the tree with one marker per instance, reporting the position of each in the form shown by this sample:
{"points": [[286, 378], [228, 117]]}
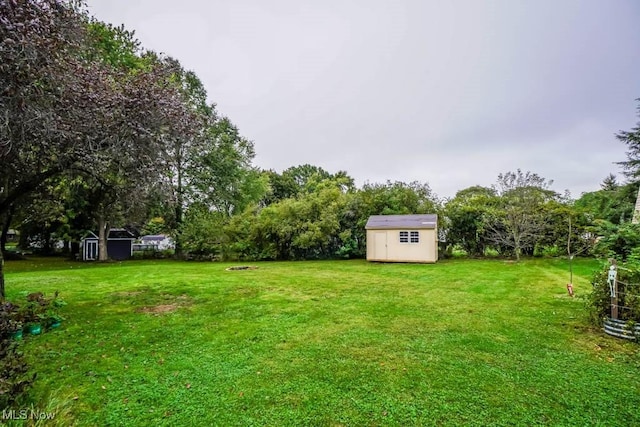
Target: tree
{"points": [[466, 215], [614, 205], [41, 45], [519, 221], [225, 180], [610, 183], [280, 187], [631, 166], [184, 145], [317, 223], [66, 109]]}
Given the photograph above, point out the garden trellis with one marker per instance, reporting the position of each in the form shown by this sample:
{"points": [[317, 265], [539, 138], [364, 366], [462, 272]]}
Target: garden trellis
{"points": [[624, 300], [623, 319]]}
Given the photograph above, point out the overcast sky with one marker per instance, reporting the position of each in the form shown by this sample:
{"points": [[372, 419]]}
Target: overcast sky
{"points": [[449, 92]]}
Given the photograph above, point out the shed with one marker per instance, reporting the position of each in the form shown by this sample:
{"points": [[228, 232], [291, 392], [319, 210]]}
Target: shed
{"points": [[402, 238], [12, 235], [159, 242], [119, 245]]}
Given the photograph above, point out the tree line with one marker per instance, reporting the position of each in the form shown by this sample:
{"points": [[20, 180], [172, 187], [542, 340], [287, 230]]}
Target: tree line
{"points": [[96, 131]]}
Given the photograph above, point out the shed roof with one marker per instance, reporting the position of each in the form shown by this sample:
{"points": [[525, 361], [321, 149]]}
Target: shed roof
{"points": [[120, 233], [153, 237], [114, 233], [384, 222]]}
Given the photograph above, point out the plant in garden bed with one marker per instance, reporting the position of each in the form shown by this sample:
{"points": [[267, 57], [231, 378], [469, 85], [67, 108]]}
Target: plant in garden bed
{"points": [[627, 295], [40, 311], [14, 377]]}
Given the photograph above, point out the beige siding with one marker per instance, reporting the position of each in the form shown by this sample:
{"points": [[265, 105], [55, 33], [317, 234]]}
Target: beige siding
{"points": [[425, 251]]}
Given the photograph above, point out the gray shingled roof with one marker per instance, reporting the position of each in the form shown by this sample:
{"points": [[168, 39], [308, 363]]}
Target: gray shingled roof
{"points": [[381, 222]]}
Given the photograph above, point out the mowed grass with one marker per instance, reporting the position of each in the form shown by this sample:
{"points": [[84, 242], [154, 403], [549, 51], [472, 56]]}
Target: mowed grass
{"points": [[461, 342]]}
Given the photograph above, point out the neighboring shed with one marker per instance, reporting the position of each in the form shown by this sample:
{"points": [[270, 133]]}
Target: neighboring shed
{"points": [[12, 235], [402, 238], [119, 245], [159, 242]]}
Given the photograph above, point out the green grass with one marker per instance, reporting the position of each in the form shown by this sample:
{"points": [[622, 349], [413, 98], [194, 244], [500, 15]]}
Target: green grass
{"points": [[462, 342]]}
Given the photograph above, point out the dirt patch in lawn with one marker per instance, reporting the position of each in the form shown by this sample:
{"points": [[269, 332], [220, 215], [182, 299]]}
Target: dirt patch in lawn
{"points": [[163, 304], [126, 294], [242, 267], [160, 309]]}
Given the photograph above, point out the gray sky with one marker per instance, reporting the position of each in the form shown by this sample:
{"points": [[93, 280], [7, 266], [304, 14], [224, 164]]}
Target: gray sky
{"points": [[449, 92]]}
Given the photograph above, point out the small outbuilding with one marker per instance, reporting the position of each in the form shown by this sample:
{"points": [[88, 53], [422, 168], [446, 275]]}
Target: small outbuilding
{"points": [[119, 245], [402, 238], [158, 242]]}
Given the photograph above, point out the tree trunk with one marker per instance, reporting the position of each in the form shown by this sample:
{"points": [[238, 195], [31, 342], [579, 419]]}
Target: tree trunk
{"points": [[5, 229], [178, 236], [636, 211], [179, 214], [569, 253], [516, 244], [103, 234], [1, 277]]}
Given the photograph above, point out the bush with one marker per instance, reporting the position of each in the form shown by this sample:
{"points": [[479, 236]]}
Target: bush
{"points": [[154, 254], [628, 294], [547, 251], [15, 379], [618, 240], [41, 310]]}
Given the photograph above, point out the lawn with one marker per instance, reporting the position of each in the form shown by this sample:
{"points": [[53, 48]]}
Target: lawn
{"points": [[461, 342]]}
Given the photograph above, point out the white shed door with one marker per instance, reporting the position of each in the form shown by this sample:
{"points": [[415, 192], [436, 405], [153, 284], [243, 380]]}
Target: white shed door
{"points": [[380, 249]]}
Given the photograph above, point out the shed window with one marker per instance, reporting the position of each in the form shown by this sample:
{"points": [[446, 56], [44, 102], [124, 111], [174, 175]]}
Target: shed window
{"points": [[409, 237]]}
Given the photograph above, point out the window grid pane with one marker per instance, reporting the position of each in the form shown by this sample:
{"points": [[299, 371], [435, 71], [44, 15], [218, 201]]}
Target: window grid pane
{"points": [[415, 237], [404, 237]]}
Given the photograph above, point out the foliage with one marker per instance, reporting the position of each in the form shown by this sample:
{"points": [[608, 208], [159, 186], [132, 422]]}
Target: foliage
{"points": [[612, 204], [598, 302], [38, 309], [155, 226], [280, 187], [202, 233], [466, 215], [617, 241], [80, 99], [15, 379], [519, 220], [326, 219], [632, 138]]}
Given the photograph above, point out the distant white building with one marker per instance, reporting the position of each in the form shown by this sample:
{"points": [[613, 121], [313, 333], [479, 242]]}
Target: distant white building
{"points": [[159, 242]]}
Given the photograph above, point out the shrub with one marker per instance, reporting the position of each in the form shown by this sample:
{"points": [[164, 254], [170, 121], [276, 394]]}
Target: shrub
{"points": [[618, 240], [628, 294], [15, 379]]}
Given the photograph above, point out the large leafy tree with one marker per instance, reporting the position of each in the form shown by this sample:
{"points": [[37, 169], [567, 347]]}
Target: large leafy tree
{"points": [[225, 179], [42, 67], [67, 108], [519, 221], [206, 163], [466, 216]]}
